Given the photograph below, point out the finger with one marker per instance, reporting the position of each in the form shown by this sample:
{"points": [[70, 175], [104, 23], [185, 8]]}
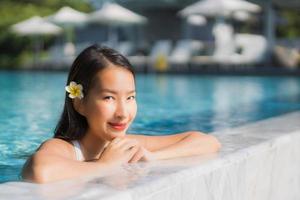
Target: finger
{"points": [[137, 156], [132, 151], [129, 144]]}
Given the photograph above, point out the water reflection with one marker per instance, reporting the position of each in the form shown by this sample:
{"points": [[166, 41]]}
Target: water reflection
{"points": [[241, 99]]}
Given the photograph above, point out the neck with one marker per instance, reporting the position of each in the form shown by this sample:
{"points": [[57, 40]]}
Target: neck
{"points": [[92, 146]]}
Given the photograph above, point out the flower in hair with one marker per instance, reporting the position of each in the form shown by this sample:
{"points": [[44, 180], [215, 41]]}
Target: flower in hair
{"points": [[74, 90]]}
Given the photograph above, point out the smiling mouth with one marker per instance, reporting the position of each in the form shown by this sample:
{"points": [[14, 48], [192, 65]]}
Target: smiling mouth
{"points": [[118, 126]]}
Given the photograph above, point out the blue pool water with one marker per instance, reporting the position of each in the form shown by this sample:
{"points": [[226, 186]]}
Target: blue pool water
{"points": [[31, 103]]}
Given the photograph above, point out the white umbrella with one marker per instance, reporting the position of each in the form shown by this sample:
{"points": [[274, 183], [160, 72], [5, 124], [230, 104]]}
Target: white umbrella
{"points": [[36, 26], [242, 16], [225, 8], [69, 18], [115, 15]]}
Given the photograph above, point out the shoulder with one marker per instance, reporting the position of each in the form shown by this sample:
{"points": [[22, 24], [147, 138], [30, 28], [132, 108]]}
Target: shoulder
{"points": [[47, 153], [56, 146], [55, 142]]}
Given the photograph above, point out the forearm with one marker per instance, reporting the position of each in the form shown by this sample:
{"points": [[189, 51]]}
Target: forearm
{"points": [[59, 168], [193, 144]]}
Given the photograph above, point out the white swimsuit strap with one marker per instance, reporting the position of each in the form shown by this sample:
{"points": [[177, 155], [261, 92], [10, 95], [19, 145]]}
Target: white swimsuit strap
{"points": [[78, 151]]}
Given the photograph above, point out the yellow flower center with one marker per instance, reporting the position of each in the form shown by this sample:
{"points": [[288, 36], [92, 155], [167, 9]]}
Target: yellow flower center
{"points": [[75, 91]]}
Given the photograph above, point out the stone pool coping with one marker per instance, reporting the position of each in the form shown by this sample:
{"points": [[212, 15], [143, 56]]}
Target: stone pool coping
{"points": [[260, 160]]}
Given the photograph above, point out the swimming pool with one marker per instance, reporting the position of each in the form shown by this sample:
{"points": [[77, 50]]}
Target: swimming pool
{"points": [[31, 103]]}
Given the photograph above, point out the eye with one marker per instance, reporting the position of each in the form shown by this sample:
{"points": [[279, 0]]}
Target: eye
{"points": [[108, 98], [131, 98]]}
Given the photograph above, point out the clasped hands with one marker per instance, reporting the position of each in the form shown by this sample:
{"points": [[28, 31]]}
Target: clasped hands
{"points": [[124, 150]]}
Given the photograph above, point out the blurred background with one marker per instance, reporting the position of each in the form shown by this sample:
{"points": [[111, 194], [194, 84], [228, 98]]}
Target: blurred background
{"points": [[214, 36]]}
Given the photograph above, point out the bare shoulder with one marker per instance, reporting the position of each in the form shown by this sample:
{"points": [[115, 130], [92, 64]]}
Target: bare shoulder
{"points": [[48, 153], [56, 146]]}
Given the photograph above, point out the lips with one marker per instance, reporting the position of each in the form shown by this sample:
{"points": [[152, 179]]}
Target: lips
{"points": [[117, 126]]}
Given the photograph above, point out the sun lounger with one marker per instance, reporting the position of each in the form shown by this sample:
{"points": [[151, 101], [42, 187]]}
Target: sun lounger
{"points": [[181, 55], [253, 49]]}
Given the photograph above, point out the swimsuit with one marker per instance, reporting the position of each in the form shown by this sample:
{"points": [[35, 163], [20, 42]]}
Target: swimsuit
{"points": [[78, 152]]}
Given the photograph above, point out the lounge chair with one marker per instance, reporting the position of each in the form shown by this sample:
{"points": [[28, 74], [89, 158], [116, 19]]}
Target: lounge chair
{"points": [[224, 47], [224, 43], [253, 49], [182, 53]]}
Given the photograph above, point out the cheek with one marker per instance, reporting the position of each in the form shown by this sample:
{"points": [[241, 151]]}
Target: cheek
{"points": [[101, 110], [107, 111], [133, 109]]}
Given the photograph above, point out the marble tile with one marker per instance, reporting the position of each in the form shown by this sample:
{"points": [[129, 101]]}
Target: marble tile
{"points": [[258, 161]]}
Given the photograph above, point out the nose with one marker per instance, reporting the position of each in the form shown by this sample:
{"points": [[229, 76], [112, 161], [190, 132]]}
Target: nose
{"points": [[121, 110]]}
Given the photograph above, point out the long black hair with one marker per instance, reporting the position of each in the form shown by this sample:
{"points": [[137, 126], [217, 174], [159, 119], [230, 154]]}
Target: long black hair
{"points": [[72, 125]]}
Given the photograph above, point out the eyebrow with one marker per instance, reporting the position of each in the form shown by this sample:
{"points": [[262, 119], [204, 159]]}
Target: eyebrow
{"points": [[115, 92]]}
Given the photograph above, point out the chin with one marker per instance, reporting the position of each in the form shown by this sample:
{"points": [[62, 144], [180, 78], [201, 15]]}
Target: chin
{"points": [[115, 134]]}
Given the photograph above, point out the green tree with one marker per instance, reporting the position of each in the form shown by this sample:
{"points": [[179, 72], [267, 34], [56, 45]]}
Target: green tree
{"points": [[13, 47], [292, 28]]}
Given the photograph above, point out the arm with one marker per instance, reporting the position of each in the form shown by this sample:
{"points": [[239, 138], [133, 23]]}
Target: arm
{"points": [[178, 145], [55, 160], [43, 168], [195, 143]]}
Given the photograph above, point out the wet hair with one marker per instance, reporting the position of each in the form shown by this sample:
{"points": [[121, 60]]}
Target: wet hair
{"points": [[93, 59]]}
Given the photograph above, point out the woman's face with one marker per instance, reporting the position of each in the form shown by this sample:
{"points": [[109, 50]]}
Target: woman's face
{"points": [[110, 106]]}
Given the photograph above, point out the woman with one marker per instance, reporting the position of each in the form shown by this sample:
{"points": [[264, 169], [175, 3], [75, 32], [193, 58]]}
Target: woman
{"points": [[91, 135]]}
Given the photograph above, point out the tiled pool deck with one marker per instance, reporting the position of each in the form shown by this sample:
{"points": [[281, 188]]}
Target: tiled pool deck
{"points": [[258, 161]]}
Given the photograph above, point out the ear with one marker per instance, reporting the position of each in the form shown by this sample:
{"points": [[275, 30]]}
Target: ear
{"points": [[79, 106]]}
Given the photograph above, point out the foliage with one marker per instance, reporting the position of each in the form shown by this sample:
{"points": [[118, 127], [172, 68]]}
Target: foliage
{"points": [[13, 47], [291, 29]]}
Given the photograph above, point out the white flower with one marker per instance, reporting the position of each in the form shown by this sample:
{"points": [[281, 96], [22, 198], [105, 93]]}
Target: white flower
{"points": [[74, 90]]}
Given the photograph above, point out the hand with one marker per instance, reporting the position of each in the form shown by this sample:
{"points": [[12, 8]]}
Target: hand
{"points": [[142, 154], [119, 151]]}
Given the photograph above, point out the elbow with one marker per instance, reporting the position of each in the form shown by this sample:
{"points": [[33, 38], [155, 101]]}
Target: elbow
{"points": [[215, 143], [35, 171], [40, 176], [211, 143]]}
